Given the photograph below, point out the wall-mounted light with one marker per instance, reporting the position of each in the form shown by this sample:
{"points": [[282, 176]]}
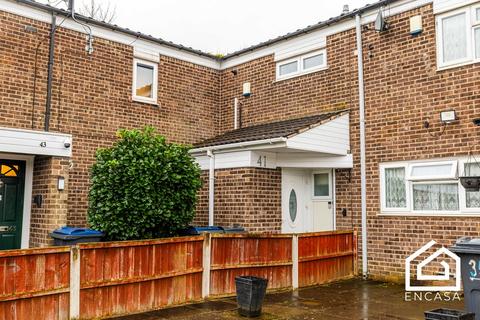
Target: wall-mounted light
{"points": [[61, 183], [247, 89], [448, 116]]}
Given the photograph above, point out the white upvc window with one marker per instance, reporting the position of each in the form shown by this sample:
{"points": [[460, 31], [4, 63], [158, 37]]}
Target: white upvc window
{"points": [[145, 81], [429, 187], [302, 64], [458, 37]]}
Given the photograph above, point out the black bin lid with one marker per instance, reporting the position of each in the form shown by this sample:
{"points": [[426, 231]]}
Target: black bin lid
{"points": [[467, 245]]}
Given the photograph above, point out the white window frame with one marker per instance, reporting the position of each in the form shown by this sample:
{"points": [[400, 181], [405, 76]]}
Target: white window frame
{"points": [[433, 212], [459, 164], [463, 194], [284, 62], [471, 24], [313, 54], [330, 184], [154, 99], [382, 187], [451, 175], [300, 69]]}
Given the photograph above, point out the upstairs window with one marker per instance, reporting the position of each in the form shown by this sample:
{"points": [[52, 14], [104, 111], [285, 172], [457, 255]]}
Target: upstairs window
{"points": [[145, 76], [303, 64], [458, 37]]}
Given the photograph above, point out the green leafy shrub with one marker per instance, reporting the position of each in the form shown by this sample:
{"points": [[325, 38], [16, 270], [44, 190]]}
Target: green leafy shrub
{"points": [[142, 187]]}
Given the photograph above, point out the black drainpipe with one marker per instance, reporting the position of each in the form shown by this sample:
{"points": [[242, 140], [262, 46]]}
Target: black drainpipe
{"points": [[51, 55]]}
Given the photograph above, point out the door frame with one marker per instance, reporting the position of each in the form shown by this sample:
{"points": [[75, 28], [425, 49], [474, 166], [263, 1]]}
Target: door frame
{"points": [[27, 195]]}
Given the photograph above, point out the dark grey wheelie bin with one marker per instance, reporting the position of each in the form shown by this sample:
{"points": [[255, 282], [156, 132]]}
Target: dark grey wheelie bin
{"points": [[469, 252]]}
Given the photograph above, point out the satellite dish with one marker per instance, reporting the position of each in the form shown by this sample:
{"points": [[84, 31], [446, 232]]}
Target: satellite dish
{"points": [[380, 24]]}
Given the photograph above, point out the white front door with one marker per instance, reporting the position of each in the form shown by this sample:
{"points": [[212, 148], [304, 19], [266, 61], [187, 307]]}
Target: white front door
{"points": [[307, 200], [294, 204], [322, 198]]}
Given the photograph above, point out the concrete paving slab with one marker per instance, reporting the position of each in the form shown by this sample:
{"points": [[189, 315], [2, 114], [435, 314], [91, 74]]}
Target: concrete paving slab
{"points": [[346, 300]]}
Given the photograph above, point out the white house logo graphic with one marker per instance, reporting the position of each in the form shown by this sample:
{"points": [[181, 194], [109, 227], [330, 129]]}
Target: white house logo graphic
{"points": [[425, 277]]}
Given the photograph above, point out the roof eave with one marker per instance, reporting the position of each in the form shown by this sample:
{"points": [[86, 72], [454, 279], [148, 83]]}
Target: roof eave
{"points": [[309, 29], [113, 27], [238, 146]]}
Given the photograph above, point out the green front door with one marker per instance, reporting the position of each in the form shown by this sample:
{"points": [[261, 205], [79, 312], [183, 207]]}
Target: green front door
{"points": [[12, 185]]}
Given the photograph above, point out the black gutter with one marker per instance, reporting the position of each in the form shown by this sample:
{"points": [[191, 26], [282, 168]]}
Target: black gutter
{"points": [[51, 55]]}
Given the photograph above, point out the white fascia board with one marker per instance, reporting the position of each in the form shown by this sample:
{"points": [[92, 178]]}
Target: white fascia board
{"points": [[108, 34], [441, 6], [313, 160], [251, 145], [282, 46], [19, 141], [282, 49]]}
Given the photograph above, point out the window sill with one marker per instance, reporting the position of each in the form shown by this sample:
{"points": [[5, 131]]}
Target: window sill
{"points": [[429, 214], [146, 101], [457, 65], [300, 74]]}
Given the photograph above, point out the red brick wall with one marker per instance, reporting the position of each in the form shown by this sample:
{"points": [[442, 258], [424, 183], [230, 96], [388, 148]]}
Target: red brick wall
{"points": [[403, 88], [92, 96], [52, 213], [250, 197]]}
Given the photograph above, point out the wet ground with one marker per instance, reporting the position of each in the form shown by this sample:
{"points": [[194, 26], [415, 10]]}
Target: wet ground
{"points": [[351, 299]]}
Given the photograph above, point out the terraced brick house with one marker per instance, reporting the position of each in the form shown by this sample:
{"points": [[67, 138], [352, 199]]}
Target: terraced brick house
{"points": [[362, 121]]}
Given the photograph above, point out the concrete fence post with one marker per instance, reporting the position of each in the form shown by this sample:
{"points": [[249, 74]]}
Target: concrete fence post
{"points": [[207, 250], [74, 282], [295, 261]]}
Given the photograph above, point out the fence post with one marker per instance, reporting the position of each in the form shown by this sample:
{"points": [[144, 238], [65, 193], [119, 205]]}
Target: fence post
{"points": [[295, 261], [207, 250], [355, 251], [74, 282]]}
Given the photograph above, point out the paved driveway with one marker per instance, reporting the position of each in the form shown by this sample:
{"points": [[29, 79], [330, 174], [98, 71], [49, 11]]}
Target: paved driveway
{"points": [[345, 300]]}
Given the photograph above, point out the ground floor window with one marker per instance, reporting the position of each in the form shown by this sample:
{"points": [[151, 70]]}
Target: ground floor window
{"points": [[428, 187]]}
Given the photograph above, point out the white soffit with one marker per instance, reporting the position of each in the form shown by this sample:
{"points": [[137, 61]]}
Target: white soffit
{"points": [[35, 142]]}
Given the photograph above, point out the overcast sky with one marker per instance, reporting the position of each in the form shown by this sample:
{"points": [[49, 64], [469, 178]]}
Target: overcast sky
{"points": [[222, 26]]}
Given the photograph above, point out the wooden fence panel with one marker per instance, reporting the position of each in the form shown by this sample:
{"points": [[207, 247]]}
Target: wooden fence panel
{"points": [[34, 284], [134, 276], [325, 257], [266, 256]]}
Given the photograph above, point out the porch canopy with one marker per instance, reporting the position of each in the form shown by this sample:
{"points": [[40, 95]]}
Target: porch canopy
{"points": [[318, 141]]}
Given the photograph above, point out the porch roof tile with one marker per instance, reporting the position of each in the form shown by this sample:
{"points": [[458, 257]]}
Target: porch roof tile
{"points": [[280, 129]]}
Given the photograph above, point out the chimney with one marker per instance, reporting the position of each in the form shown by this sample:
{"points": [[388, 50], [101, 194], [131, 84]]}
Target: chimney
{"points": [[346, 9]]}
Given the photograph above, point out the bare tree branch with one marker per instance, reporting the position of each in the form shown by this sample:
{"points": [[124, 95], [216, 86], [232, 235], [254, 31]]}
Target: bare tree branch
{"points": [[103, 12]]}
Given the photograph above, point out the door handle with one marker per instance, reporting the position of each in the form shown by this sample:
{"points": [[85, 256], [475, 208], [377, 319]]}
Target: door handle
{"points": [[329, 204], [8, 228]]}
